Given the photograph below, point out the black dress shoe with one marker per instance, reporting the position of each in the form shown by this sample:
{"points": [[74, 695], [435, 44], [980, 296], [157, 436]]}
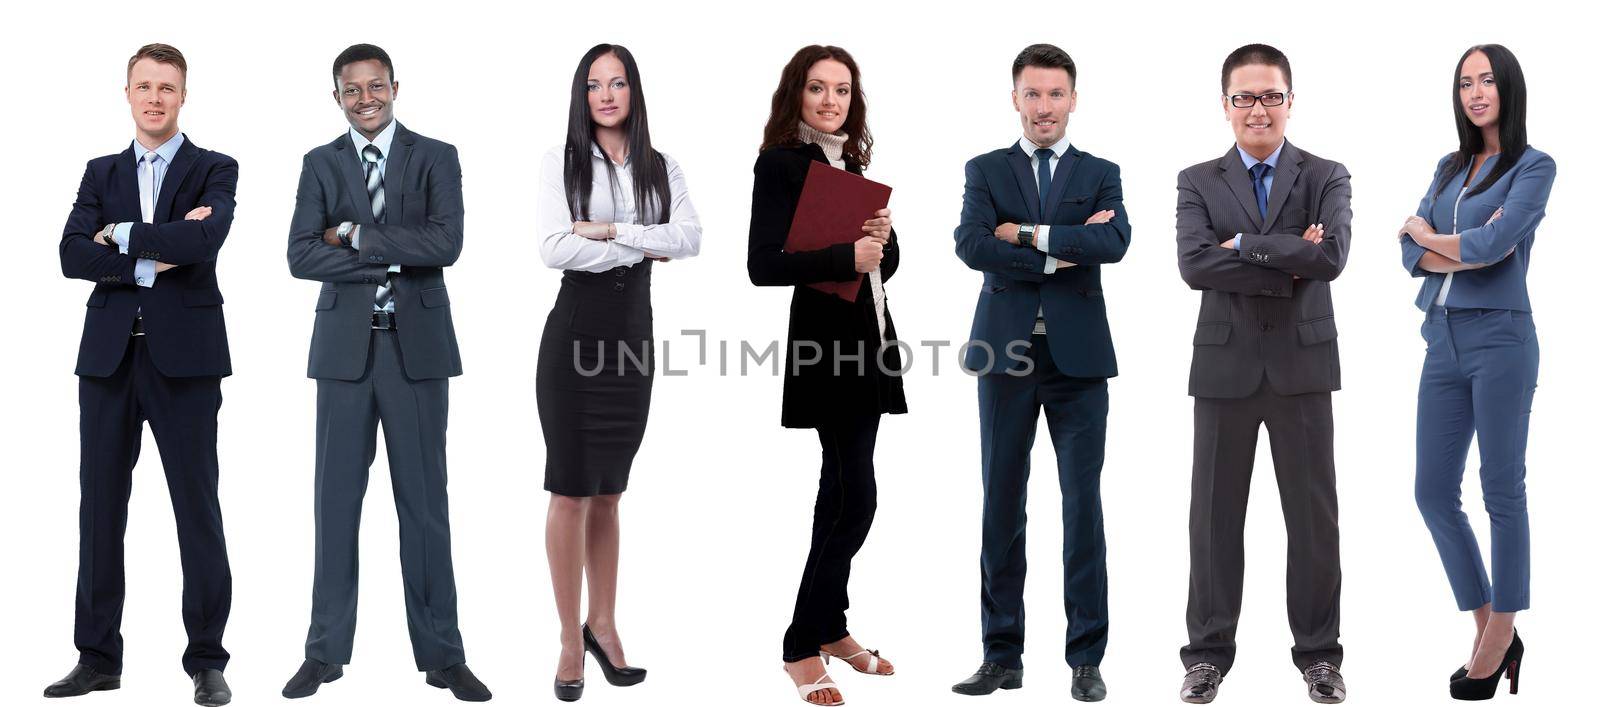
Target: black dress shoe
{"points": [[462, 683], [990, 677], [82, 681], [312, 674], [1324, 684], [1200, 684], [210, 689], [1087, 685], [621, 676]]}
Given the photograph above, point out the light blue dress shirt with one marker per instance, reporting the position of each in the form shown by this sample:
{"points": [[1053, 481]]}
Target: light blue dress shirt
{"points": [[1266, 182], [151, 170]]}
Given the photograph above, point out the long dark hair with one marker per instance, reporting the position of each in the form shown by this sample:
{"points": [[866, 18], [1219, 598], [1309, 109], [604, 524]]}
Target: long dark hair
{"points": [[1513, 122], [649, 167], [783, 125]]}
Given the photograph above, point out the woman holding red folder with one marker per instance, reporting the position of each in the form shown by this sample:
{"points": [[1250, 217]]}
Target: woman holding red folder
{"points": [[840, 375]]}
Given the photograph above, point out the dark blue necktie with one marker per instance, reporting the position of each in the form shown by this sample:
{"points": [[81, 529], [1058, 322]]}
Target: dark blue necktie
{"points": [[1043, 154], [1258, 179]]}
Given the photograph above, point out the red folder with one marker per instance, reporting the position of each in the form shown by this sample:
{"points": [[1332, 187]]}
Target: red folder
{"points": [[833, 205]]}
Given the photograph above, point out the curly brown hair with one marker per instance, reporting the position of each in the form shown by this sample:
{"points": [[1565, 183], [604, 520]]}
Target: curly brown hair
{"points": [[784, 123]]}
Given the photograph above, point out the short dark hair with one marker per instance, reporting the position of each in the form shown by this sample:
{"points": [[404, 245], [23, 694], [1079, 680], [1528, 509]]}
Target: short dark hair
{"points": [[1048, 56], [362, 52], [160, 53], [1257, 54]]}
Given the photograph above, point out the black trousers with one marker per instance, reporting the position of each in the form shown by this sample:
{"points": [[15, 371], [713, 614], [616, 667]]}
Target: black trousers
{"points": [[847, 498], [1301, 431], [182, 413]]}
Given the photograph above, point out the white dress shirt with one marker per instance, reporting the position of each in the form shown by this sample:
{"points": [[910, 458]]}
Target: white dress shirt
{"points": [[384, 139], [611, 200], [1041, 232], [151, 169]]}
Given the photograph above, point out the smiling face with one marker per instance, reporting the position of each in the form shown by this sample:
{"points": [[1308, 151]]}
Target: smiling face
{"points": [[1044, 97], [1259, 128], [1479, 94], [609, 92], [155, 93], [826, 100], [367, 96]]}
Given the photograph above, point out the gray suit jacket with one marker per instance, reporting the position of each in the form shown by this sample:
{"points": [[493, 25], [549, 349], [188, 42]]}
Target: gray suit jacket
{"points": [[421, 232], [1256, 319]]}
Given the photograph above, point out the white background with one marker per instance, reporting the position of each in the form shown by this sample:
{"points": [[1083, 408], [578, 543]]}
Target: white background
{"points": [[717, 517]]}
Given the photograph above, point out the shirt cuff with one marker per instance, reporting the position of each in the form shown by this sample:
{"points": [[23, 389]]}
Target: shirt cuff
{"points": [[355, 237], [1050, 265], [119, 235], [394, 268], [1238, 242], [144, 272], [627, 234], [1041, 239]]}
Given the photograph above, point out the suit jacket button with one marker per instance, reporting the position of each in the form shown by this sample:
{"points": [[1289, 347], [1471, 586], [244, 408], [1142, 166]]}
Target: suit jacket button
{"points": [[618, 287]]}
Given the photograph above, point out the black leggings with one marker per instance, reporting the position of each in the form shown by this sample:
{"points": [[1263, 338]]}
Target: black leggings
{"points": [[847, 497]]}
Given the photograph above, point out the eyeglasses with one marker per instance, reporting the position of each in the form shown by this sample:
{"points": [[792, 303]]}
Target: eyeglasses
{"points": [[1270, 100]]}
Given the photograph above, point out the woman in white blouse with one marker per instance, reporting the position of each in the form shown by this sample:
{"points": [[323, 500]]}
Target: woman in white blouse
{"points": [[610, 206]]}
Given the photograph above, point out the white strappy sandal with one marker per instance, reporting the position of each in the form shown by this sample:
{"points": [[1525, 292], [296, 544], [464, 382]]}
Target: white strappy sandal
{"points": [[813, 688], [872, 661]]}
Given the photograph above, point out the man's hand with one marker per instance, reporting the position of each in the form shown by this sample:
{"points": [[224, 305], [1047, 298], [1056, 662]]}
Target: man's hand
{"points": [[198, 214], [1313, 233], [1101, 217], [878, 226], [1007, 232], [595, 231], [1231, 243], [163, 267], [330, 236], [103, 236]]}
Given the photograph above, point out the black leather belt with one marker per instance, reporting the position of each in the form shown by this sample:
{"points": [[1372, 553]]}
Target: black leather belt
{"points": [[383, 320], [138, 326]]}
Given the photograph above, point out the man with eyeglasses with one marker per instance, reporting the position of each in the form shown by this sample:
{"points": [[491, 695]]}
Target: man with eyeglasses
{"points": [[377, 218], [1261, 233]]}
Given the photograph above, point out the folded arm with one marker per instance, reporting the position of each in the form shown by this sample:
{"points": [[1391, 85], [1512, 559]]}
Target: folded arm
{"points": [[82, 257], [679, 237], [560, 246], [185, 242], [976, 243], [310, 258], [435, 244], [1095, 243], [1309, 259], [1205, 265]]}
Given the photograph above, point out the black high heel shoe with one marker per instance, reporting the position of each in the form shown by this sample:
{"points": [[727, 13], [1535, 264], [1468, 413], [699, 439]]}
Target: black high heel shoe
{"points": [[1484, 688], [569, 690], [619, 676]]}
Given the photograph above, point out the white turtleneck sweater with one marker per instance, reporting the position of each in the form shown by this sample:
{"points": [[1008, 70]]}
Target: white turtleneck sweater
{"points": [[833, 148]]}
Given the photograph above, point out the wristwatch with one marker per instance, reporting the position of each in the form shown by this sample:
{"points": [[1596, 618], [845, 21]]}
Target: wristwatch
{"points": [[343, 233], [1025, 235]]}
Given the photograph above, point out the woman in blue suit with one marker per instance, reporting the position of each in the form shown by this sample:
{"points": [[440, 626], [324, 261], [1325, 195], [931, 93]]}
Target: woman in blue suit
{"points": [[1472, 238]]}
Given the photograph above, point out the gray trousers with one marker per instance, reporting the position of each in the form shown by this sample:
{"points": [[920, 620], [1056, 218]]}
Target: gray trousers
{"points": [[1300, 428], [413, 415]]}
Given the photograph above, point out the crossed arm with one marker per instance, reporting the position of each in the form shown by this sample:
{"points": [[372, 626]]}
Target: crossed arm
{"points": [[99, 252], [1423, 251]]}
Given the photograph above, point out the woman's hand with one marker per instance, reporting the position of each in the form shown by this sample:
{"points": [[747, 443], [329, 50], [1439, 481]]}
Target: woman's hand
{"points": [[878, 226], [869, 253], [595, 231], [1416, 227]]}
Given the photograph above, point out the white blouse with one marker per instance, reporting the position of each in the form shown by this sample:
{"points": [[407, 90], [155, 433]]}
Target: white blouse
{"points": [[611, 203]]}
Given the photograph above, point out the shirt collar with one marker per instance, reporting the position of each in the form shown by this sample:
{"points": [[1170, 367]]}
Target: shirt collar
{"points": [[382, 142], [1271, 160], [594, 148], [1056, 150], [166, 151]]}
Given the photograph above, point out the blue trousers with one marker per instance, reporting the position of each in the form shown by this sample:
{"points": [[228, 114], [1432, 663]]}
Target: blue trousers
{"points": [[1478, 378], [1008, 414]]}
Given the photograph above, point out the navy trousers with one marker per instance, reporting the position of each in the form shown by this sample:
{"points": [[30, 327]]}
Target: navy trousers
{"points": [[182, 413], [1478, 378], [1008, 415]]}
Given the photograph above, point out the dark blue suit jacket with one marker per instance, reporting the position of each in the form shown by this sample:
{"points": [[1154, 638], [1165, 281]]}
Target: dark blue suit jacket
{"points": [[184, 330], [1001, 189]]}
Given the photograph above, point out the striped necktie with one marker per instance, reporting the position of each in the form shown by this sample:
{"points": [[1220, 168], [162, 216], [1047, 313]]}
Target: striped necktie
{"points": [[370, 156]]}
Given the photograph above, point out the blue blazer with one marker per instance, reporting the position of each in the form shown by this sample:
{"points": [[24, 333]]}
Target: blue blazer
{"points": [[1001, 189], [1522, 192], [182, 312]]}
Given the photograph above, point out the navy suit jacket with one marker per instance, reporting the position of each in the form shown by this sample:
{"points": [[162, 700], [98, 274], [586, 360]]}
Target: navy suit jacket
{"points": [[421, 232], [184, 330], [1000, 189]]}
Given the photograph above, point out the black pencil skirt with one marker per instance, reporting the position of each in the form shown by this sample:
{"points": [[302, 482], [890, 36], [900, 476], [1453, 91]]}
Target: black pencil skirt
{"points": [[593, 380]]}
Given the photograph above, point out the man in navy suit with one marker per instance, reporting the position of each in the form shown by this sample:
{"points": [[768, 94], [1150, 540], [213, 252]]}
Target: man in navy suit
{"points": [[146, 229], [1038, 218]]}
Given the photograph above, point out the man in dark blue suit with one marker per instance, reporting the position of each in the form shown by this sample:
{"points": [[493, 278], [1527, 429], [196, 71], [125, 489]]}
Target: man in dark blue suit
{"points": [[1038, 219], [146, 229]]}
